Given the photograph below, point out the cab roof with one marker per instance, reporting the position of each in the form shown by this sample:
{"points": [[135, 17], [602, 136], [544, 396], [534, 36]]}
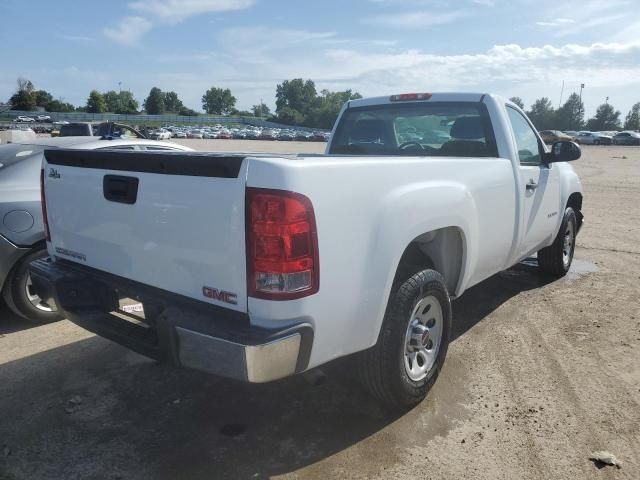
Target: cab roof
{"points": [[434, 97]]}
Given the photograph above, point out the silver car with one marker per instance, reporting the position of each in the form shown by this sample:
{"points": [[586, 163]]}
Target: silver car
{"points": [[593, 138], [22, 238]]}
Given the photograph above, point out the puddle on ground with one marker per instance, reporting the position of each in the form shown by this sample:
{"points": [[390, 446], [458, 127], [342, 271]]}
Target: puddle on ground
{"points": [[581, 267], [529, 267]]}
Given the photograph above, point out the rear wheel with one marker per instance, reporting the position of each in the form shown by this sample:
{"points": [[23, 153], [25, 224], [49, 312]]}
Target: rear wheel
{"points": [[19, 294], [404, 364], [556, 259]]}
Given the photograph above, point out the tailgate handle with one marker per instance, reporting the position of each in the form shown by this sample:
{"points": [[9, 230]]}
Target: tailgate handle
{"points": [[120, 189]]}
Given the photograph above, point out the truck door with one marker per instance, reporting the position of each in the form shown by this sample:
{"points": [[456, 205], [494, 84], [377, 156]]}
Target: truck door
{"points": [[538, 187]]}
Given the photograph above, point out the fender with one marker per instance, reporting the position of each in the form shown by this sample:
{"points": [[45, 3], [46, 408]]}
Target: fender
{"points": [[569, 184], [425, 206]]}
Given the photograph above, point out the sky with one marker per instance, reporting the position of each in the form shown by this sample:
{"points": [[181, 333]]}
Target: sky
{"points": [[522, 48]]}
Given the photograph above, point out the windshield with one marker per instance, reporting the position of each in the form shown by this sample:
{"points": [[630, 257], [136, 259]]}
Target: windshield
{"points": [[75, 130], [14, 153], [460, 129]]}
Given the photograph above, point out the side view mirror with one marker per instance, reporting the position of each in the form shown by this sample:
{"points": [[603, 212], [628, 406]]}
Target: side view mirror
{"points": [[563, 151]]}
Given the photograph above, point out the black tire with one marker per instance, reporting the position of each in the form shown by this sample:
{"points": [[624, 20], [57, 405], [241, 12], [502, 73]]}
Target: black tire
{"points": [[15, 292], [556, 258], [382, 368], [596, 142]]}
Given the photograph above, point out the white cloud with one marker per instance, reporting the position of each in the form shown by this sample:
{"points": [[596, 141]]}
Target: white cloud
{"points": [[594, 16], [414, 19], [556, 22], [253, 69], [128, 31], [178, 10], [77, 38], [131, 29]]}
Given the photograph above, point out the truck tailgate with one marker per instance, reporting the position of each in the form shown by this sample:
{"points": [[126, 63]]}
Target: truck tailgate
{"points": [[170, 220]]}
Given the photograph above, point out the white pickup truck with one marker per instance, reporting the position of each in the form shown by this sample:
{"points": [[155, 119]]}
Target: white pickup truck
{"points": [[258, 267]]}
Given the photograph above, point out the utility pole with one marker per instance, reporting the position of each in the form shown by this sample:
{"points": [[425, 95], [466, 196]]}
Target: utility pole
{"points": [[606, 100], [581, 104], [120, 95], [561, 93]]}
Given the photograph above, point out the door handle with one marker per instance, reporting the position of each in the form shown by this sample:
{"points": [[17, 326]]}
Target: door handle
{"points": [[532, 185]]}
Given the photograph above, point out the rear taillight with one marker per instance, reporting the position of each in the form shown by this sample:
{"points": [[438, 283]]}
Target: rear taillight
{"points": [[45, 220], [282, 245]]}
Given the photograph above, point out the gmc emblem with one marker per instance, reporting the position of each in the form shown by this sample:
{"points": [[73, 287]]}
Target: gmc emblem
{"points": [[220, 295]]}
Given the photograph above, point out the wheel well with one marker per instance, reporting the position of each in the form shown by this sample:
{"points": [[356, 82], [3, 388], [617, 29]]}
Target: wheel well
{"points": [[441, 250], [575, 202]]}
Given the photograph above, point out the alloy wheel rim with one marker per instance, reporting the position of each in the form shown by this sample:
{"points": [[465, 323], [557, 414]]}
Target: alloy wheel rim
{"points": [[423, 338], [567, 245], [34, 299]]}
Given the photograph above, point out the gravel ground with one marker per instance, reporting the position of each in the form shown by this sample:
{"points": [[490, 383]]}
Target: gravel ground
{"points": [[540, 374]]}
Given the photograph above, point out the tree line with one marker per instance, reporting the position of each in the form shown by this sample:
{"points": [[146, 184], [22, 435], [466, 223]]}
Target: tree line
{"points": [[299, 103], [570, 115]]}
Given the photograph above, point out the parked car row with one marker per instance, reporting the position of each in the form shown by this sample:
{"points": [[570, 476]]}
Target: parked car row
{"points": [[38, 118], [244, 133], [585, 137]]}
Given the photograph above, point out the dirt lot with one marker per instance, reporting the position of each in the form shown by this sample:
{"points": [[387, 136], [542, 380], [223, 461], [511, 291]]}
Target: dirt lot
{"points": [[539, 375]]}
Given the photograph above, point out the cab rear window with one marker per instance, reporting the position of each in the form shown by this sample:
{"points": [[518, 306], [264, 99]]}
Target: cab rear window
{"points": [[458, 129]]}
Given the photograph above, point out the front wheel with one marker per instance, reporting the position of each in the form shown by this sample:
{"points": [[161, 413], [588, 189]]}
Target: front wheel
{"points": [[405, 362], [556, 258], [19, 294]]}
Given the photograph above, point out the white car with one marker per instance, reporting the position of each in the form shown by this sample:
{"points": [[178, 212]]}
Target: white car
{"points": [[43, 118], [23, 119], [160, 134], [258, 267]]}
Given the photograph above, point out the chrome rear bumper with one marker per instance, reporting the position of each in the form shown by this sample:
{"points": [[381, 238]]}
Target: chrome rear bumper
{"points": [[182, 331]]}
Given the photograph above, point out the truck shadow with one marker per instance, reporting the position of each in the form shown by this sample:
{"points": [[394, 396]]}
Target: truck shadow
{"points": [[482, 299], [92, 409], [10, 322]]}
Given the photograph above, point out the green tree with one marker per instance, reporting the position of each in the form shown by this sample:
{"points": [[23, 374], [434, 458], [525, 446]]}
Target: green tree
{"points": [[632, 120], [296, 94], [24, 98], [289, 116], [95, 102], [187, 112], [261, 110], [43, 98], [606, 118], [542, 114], [59, 106], [570, 116], [172, 103], [518, 101], [111, 101], [154, 103], [218, 101], [128, 104], [327, 106]]}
